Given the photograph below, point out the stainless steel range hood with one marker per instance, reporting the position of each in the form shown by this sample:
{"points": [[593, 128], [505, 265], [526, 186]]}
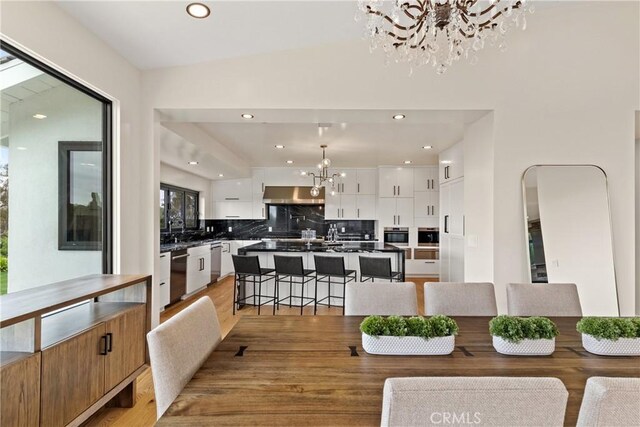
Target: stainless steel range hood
{"points": [[291, 196]]}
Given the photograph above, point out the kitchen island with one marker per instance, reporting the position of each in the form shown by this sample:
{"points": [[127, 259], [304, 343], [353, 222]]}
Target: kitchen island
{"points": [[350, 251]]}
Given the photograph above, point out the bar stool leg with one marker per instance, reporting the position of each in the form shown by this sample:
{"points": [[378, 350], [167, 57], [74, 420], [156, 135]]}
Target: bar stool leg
{"points": [[235, 292], [315, 299], [275, 297], [302, 297], [290, 289], [329, 292], [277, 302], [259, 293]]}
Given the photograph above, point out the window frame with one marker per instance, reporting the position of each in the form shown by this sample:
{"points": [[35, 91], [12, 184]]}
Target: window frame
{"points": [[166, 188], [107, 147]]}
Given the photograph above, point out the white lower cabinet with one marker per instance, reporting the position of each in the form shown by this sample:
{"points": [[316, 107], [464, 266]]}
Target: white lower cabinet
{"points": [[421, 267], [198, 267]]}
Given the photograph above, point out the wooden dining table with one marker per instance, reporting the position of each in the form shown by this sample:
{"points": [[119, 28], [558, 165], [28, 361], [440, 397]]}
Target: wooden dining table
{"points": [[312, 370]]}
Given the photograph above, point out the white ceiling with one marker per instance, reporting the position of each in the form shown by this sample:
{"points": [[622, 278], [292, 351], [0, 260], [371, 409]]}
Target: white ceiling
{"points": [[222, 142], [156, 34]]}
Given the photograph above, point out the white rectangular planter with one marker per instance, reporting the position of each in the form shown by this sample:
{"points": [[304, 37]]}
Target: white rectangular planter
{"points": [[408, 345], [526, 347], [604, 347]]}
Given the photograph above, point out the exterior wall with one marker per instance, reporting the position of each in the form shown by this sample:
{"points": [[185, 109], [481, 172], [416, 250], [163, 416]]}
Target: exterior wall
{"points": [[34, 258]]}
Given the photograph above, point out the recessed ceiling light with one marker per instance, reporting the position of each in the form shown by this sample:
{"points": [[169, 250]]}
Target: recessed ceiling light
{"points": [[198, 10], [193, 163], [407, 162], [398, 117], [247, 116], [428, 147], [280, 146], [289, 161], [445, 162], [39, 116], [21, 148], [220, 175]]}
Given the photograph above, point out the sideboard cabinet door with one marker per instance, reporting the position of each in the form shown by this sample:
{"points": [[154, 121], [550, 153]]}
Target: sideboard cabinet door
{"points": [[126, 349]]}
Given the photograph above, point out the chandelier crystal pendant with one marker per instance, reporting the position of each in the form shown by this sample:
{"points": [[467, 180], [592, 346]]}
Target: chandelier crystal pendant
{"points": [[323, 176], [440, 32]]}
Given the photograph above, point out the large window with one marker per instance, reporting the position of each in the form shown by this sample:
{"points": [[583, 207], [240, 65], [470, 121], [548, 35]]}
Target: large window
{"points": [[178, 208], [55, 176]]}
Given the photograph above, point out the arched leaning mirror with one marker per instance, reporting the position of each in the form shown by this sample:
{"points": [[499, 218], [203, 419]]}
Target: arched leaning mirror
{"points": [[568, 233]]}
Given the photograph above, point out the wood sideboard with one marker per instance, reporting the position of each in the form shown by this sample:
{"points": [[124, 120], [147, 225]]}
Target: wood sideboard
{"points": [[69, 348]]}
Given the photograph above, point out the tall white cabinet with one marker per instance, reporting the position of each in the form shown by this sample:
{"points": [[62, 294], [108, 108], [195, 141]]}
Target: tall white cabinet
{"points": [[451, 177]]}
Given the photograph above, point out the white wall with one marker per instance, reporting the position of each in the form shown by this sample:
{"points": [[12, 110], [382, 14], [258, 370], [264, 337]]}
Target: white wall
{"points": [[180, 178], [34, 258], [45, 31], [478, 200], [574, 216], [560, 94]]}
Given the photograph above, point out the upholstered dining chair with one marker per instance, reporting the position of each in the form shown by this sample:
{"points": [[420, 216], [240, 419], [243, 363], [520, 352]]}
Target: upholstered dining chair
{"points": [[487, 401], [179, 346], [610, 402], [383, 298], [460, 299], [543, 299]]}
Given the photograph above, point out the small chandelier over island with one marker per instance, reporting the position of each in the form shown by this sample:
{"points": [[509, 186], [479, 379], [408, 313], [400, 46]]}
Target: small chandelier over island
{"points": [[439, 32], [323, 176]]}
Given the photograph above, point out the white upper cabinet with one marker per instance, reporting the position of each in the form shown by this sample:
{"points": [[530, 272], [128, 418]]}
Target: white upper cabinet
{"points": [[331, 206], [452, 163], [233, 189], [365, 206], [366, 181], [232, 210], [258, 183], [348, 184], [425, 179], [395, 212], [348, 209], [395, 182]]}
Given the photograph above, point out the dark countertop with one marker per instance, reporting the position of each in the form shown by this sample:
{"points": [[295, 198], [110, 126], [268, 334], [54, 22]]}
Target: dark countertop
{"points": [[344, 247], [168, 247]]}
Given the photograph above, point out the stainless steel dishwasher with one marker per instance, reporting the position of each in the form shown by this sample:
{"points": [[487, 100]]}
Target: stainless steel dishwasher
{"points": [[178, 285], [216, 261]]}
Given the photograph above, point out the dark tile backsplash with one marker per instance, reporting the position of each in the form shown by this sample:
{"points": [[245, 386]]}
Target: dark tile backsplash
{"points": [[286, 221]]}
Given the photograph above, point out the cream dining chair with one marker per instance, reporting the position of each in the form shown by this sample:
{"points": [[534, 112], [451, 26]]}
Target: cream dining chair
{"points": [[543, 299], [382, 298], [179, 346], [486, 401], [610, 402], [460, 299]]}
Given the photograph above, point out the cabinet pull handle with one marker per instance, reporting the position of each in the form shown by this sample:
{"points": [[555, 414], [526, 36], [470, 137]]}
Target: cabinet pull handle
{"points": [[446, 223], [398, 219], [263, 212], [433, 184], [263, 187], [103, 342], [232, 198], [429, 262], [180, 256], [358, 212], [232, 216], [342, 213], [394, 190], [338, 214], [163, 283], [358, 187], [110, 341], [398, 190], [162, 256], [428, 185]]}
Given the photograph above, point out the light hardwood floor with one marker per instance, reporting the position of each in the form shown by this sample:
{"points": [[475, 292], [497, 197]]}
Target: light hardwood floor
{"points": [[143, 414]]}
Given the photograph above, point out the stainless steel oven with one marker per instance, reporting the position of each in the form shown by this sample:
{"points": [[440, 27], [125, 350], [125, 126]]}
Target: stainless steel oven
{"points": [[396, 236], [428, 236]]}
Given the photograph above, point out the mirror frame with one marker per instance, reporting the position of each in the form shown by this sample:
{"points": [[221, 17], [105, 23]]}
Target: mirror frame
{"points": [[526, 225]]}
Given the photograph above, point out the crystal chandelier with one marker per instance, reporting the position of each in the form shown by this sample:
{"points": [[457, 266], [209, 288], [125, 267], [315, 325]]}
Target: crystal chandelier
{"points": [[439, 32], [323, 176]]}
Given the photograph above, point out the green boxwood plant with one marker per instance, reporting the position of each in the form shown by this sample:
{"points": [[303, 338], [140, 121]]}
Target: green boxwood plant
{"points": [[515, 329], [418, 326], [610, 328]]}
